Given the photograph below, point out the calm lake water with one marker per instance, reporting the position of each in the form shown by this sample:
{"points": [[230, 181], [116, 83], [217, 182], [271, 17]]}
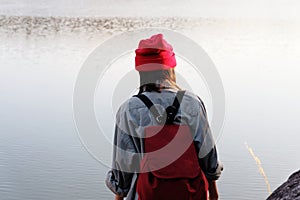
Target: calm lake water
{"points": [[42, 157]]}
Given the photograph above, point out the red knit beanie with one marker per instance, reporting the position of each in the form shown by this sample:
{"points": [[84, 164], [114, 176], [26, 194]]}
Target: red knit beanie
{"points": [[154, 54]]}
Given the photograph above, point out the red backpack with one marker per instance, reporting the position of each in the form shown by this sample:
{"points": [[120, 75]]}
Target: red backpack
{"points": [[169, 168]]}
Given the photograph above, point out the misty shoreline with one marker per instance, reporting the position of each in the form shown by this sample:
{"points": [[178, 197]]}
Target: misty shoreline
{"points": [[42, 25]]}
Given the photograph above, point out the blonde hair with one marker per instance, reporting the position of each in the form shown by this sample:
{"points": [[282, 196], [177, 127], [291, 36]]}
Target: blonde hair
{"points": [[157, 80]]}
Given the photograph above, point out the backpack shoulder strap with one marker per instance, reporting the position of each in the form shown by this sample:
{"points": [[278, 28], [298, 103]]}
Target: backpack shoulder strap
{"points": [[173, 109], [178, 100], [158, 117], [202, 104], [170, 112]]}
